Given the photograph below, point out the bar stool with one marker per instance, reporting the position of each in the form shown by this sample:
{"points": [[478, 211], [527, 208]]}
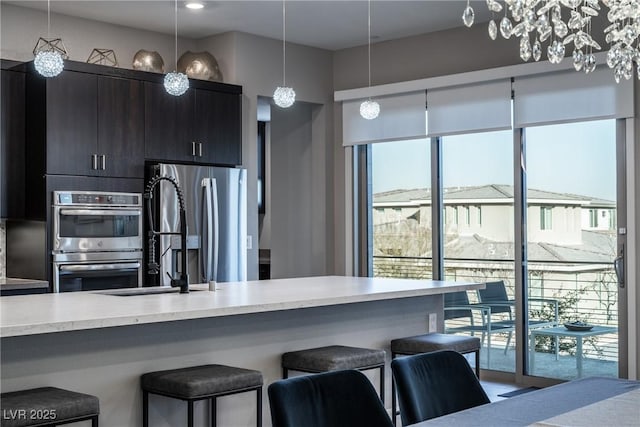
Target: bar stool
{"points": [[334, 358], [199, 383], [428, 343], [47, 406]]}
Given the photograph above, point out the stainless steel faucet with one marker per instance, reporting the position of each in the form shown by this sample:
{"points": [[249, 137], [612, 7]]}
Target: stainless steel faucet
{"points": [[182, 280]]}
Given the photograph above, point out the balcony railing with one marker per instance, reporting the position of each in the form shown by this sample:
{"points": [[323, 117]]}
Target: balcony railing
{"points": [[585, 291]]}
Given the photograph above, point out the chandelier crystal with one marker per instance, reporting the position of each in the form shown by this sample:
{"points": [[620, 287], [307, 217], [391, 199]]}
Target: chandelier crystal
{"points": [[565, 26], [284, 96], [369, 109], [48, 63], [175, 83], [49, 53]]}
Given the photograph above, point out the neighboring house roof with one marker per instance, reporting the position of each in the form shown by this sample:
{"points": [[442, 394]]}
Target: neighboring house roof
{"points": [[493, 192], [596, 247]]}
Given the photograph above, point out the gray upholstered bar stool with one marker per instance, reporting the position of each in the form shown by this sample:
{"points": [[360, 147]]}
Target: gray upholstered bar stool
{"points": [[427, 343], [334, 358], [200, 383], [47, 406]]}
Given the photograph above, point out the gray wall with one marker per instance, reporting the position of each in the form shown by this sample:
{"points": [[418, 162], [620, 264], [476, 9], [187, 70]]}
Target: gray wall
{"points": [[296, 182], [21, 28]]}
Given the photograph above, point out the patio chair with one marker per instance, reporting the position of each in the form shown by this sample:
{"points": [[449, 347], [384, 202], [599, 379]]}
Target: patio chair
{"points": [[495, 296], [457, 307], [430, 385]]}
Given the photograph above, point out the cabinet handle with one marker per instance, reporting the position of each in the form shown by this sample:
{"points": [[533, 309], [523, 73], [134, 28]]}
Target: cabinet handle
{"points": [[200, 149], [193, 148], [103, 162], [94, 161]]}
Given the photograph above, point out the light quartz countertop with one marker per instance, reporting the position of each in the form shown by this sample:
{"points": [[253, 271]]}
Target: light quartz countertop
{"points": [[48, 313]]}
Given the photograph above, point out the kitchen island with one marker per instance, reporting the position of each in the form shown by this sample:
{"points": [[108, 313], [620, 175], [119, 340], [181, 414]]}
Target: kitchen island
{"points": [[100, 344]]}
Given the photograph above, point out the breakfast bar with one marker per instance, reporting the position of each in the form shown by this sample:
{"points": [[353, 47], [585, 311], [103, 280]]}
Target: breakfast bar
{"points": [[100, 343]]}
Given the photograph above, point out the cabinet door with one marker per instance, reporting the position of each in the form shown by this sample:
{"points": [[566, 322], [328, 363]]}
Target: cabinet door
{"points": [[71, 121], [217, 126], [120, 127], [168, 120], [12, 144]]}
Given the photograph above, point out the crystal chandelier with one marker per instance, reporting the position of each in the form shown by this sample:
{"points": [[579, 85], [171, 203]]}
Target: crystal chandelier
{"points": [[49, 53], [176, 83], [284, 96], [566, 24], [369, 109]]}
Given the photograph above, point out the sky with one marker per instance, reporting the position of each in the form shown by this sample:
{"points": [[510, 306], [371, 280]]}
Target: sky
{"points": [[576, 158]]}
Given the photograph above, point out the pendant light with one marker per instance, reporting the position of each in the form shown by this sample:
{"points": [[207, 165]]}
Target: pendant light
{"points": [[369, 109], [176, 83], [284, 96], [49, 52]]}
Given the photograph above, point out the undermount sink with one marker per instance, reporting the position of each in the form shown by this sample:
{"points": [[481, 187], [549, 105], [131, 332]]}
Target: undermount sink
{"points": [[130, 292]]}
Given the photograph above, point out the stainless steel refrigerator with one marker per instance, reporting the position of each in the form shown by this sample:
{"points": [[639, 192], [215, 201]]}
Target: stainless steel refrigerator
{"points": [[216, 210]]}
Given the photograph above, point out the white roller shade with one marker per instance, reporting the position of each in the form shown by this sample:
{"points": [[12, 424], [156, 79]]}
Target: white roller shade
{"points": [[479, 107], [402, 117], [569, 96]]}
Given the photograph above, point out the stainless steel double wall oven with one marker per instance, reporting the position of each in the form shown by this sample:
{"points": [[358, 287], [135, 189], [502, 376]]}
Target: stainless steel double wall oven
{"points": [[97, 240]]}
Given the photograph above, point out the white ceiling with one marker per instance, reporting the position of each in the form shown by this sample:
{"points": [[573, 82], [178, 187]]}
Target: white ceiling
{"points": [[332, 25]]}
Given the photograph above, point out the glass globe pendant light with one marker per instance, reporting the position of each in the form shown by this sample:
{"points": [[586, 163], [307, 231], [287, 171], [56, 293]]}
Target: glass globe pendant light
{"points": [[176, 83], [49, 52], [284, 96], [369, 109]]}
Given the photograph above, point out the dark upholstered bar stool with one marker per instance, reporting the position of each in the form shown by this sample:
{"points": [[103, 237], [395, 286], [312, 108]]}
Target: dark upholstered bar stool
{"points": [[47, 406], [428, 343], [199, 383], [334, 358]]}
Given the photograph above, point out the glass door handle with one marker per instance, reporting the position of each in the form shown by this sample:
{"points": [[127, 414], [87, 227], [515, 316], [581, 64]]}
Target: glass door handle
{"points": [[618, 265]]}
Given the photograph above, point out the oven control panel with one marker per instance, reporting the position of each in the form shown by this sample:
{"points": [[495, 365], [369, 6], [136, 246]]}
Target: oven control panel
{"points": [[85, 198]]}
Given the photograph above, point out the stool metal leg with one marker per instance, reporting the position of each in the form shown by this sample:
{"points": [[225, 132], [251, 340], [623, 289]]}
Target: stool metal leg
{"points": [[477, 352], [94, 421], [190, 413], [145, 408], [214, 411], [285, 373], [259, 407]]}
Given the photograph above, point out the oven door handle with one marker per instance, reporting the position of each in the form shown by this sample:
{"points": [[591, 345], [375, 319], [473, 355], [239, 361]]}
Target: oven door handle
{"points": [[97, 267], [110, 212]]}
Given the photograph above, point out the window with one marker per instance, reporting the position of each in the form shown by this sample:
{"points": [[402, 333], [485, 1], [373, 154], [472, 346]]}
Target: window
{"points": [[479, 211], [545, 218], [593, 218]]}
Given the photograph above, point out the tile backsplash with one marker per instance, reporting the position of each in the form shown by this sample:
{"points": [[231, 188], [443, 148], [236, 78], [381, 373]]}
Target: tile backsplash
{"points": [[3, 249]]}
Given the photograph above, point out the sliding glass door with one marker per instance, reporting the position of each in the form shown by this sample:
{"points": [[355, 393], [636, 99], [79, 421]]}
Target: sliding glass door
{"points": [[572, 206]]}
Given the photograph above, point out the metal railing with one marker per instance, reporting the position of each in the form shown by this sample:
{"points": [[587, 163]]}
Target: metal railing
{"points": [[585, 291]]}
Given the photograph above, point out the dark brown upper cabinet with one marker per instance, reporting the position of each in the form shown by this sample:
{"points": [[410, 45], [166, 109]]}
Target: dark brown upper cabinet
{"points": [[120, 127], [201, 126], [217, 127], [168, 124], [85, 124]]}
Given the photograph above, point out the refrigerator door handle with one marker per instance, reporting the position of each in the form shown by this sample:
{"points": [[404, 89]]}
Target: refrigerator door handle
{"points": [[207, 219], [210, 261]]}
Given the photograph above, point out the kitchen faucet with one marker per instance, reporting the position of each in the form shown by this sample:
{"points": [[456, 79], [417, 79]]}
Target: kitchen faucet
{"points": [[182, 280]]}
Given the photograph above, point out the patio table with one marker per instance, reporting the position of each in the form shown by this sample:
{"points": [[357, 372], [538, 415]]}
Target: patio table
{"points": [[561, 331]]}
